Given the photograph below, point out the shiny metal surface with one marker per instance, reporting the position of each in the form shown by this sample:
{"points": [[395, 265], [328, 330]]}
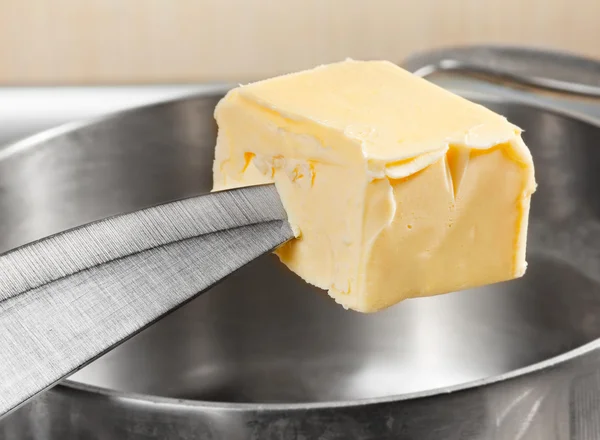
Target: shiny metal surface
{"points": [[265, 356], [68, 298], [545, 69]]}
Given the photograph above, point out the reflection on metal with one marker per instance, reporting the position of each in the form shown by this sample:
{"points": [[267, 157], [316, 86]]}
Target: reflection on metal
{"points": [[494, 363]]}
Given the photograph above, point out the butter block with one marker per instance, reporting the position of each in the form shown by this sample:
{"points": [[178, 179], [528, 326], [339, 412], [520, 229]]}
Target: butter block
{"points": [[396, 188]]}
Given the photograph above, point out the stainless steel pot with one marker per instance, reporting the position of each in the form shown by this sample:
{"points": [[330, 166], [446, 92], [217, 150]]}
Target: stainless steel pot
{"points": [[265, 356]]}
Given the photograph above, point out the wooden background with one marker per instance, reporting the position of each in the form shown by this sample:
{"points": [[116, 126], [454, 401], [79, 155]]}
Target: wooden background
{"points": [[125, 41]]}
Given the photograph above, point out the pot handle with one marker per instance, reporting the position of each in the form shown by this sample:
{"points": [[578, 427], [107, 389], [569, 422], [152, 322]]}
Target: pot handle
{"points": [[543, 69]]}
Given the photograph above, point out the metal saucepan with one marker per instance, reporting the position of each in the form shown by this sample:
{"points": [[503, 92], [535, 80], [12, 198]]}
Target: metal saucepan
{"points": [[265, 356]]}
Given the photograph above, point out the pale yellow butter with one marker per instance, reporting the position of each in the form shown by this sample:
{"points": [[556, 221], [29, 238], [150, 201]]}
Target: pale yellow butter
{"points": [[396, 187]]}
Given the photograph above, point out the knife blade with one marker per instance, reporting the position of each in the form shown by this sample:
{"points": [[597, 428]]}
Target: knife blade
{"points": [[68, 298]]}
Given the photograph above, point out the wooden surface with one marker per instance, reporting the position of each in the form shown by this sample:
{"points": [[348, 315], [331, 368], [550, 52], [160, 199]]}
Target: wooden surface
{"points": [[124, 41]]}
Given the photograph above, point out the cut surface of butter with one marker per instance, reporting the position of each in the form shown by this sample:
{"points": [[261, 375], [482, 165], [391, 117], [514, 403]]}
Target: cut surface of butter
{"points": [[396, 188]]}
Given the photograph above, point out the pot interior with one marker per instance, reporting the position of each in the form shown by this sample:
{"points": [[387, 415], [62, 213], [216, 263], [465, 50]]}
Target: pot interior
{"points": [[263, 335]]}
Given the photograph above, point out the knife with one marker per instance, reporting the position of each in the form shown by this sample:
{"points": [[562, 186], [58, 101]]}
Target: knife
{"points": [[68, 298]]}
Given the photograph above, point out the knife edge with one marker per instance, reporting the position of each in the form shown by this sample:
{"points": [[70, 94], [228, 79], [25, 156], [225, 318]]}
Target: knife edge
{"points": [[66, 253]]}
